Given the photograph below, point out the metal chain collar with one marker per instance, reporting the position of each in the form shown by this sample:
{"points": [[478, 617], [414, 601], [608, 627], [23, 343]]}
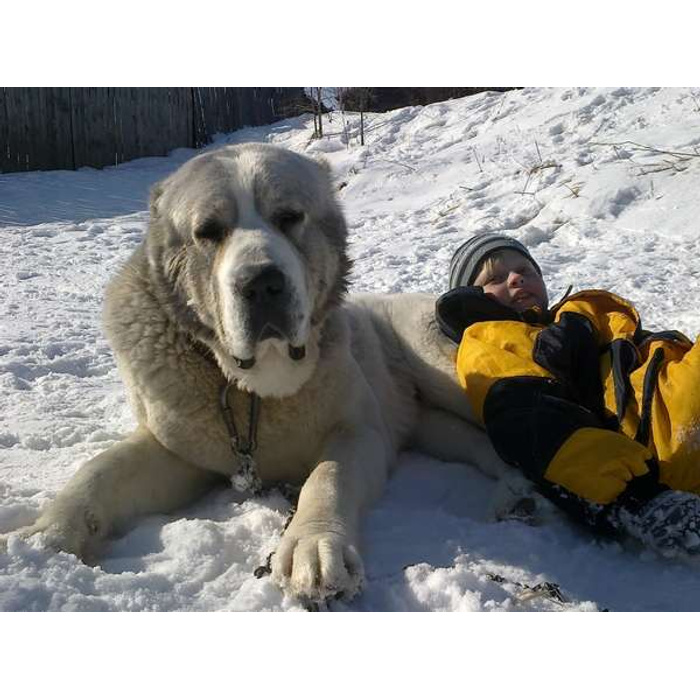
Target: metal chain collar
{"points": [[246, 478]]}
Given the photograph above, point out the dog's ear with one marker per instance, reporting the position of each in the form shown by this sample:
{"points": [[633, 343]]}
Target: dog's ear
{"points": [[326, 170], [325, 164], [156, 192]]}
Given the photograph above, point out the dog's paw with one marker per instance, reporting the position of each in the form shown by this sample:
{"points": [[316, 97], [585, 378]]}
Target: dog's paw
{"points": [[317, 567], [516, 498], [73, 535]]}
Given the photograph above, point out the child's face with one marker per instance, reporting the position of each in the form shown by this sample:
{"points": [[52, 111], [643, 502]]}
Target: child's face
{"points": [[513, 280]]}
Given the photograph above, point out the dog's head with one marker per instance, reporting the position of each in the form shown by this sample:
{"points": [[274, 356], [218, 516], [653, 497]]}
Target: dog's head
{"points": [[247, 245]]}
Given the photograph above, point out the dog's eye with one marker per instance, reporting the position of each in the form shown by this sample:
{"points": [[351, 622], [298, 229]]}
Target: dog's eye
{"points": [[286, 219], [210, 230]]}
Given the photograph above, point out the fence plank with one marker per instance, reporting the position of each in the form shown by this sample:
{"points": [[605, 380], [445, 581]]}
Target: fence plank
{"points": [[127, 123], [4, 133]]}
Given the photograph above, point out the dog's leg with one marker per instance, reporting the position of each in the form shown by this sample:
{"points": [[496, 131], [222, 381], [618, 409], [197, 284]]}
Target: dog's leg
{"points": [[452, 439], [318, 556], [448, 437], [133, 478]]}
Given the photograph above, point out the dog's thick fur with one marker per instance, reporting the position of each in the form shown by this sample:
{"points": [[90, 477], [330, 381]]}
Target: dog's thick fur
{"points": [[244, 265]]}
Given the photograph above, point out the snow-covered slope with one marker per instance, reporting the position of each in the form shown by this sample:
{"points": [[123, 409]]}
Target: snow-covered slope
{"points": [[567, 171]]}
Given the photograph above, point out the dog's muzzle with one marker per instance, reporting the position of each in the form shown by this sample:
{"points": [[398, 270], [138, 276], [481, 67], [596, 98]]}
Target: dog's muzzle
{"points": [[268, 299]]}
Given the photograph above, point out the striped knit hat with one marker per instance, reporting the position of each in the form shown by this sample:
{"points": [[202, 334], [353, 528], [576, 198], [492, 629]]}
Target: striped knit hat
{"points": [[464, 267]]}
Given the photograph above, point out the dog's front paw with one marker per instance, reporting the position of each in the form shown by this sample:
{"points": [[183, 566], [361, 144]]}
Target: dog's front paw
{"points": [[78, 535], [315, 567]]}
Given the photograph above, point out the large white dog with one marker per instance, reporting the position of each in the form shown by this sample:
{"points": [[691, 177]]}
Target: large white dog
{"points": [[243, 361]]}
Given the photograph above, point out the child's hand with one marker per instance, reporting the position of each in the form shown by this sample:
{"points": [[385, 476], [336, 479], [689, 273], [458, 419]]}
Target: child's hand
{"points": [[668, 524]]}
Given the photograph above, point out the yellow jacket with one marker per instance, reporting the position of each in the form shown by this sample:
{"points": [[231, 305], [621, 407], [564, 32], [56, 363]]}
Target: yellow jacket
{"points": [[583, 399]]}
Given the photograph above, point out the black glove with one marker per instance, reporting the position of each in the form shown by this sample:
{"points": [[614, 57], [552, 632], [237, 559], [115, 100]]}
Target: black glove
{"points": [[669, 523]]}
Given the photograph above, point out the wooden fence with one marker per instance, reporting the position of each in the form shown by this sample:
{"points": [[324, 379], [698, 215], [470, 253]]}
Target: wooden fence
{"points": [[67, 128]]}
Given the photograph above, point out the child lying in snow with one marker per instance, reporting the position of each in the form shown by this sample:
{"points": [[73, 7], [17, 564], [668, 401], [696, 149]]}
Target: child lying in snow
{"points": [[602, 416]]}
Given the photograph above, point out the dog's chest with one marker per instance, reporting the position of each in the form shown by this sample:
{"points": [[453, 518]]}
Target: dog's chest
{"points": [[288, 433]]}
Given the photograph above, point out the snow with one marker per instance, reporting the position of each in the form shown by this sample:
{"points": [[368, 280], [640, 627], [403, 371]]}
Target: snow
{"points": [[563, 170]]}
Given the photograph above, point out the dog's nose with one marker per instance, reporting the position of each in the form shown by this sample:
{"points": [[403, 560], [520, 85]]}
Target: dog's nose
{"points": [[266, 285]]}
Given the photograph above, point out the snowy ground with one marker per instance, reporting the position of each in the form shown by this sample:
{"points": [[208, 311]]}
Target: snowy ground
{"points": [[557, 168]]}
